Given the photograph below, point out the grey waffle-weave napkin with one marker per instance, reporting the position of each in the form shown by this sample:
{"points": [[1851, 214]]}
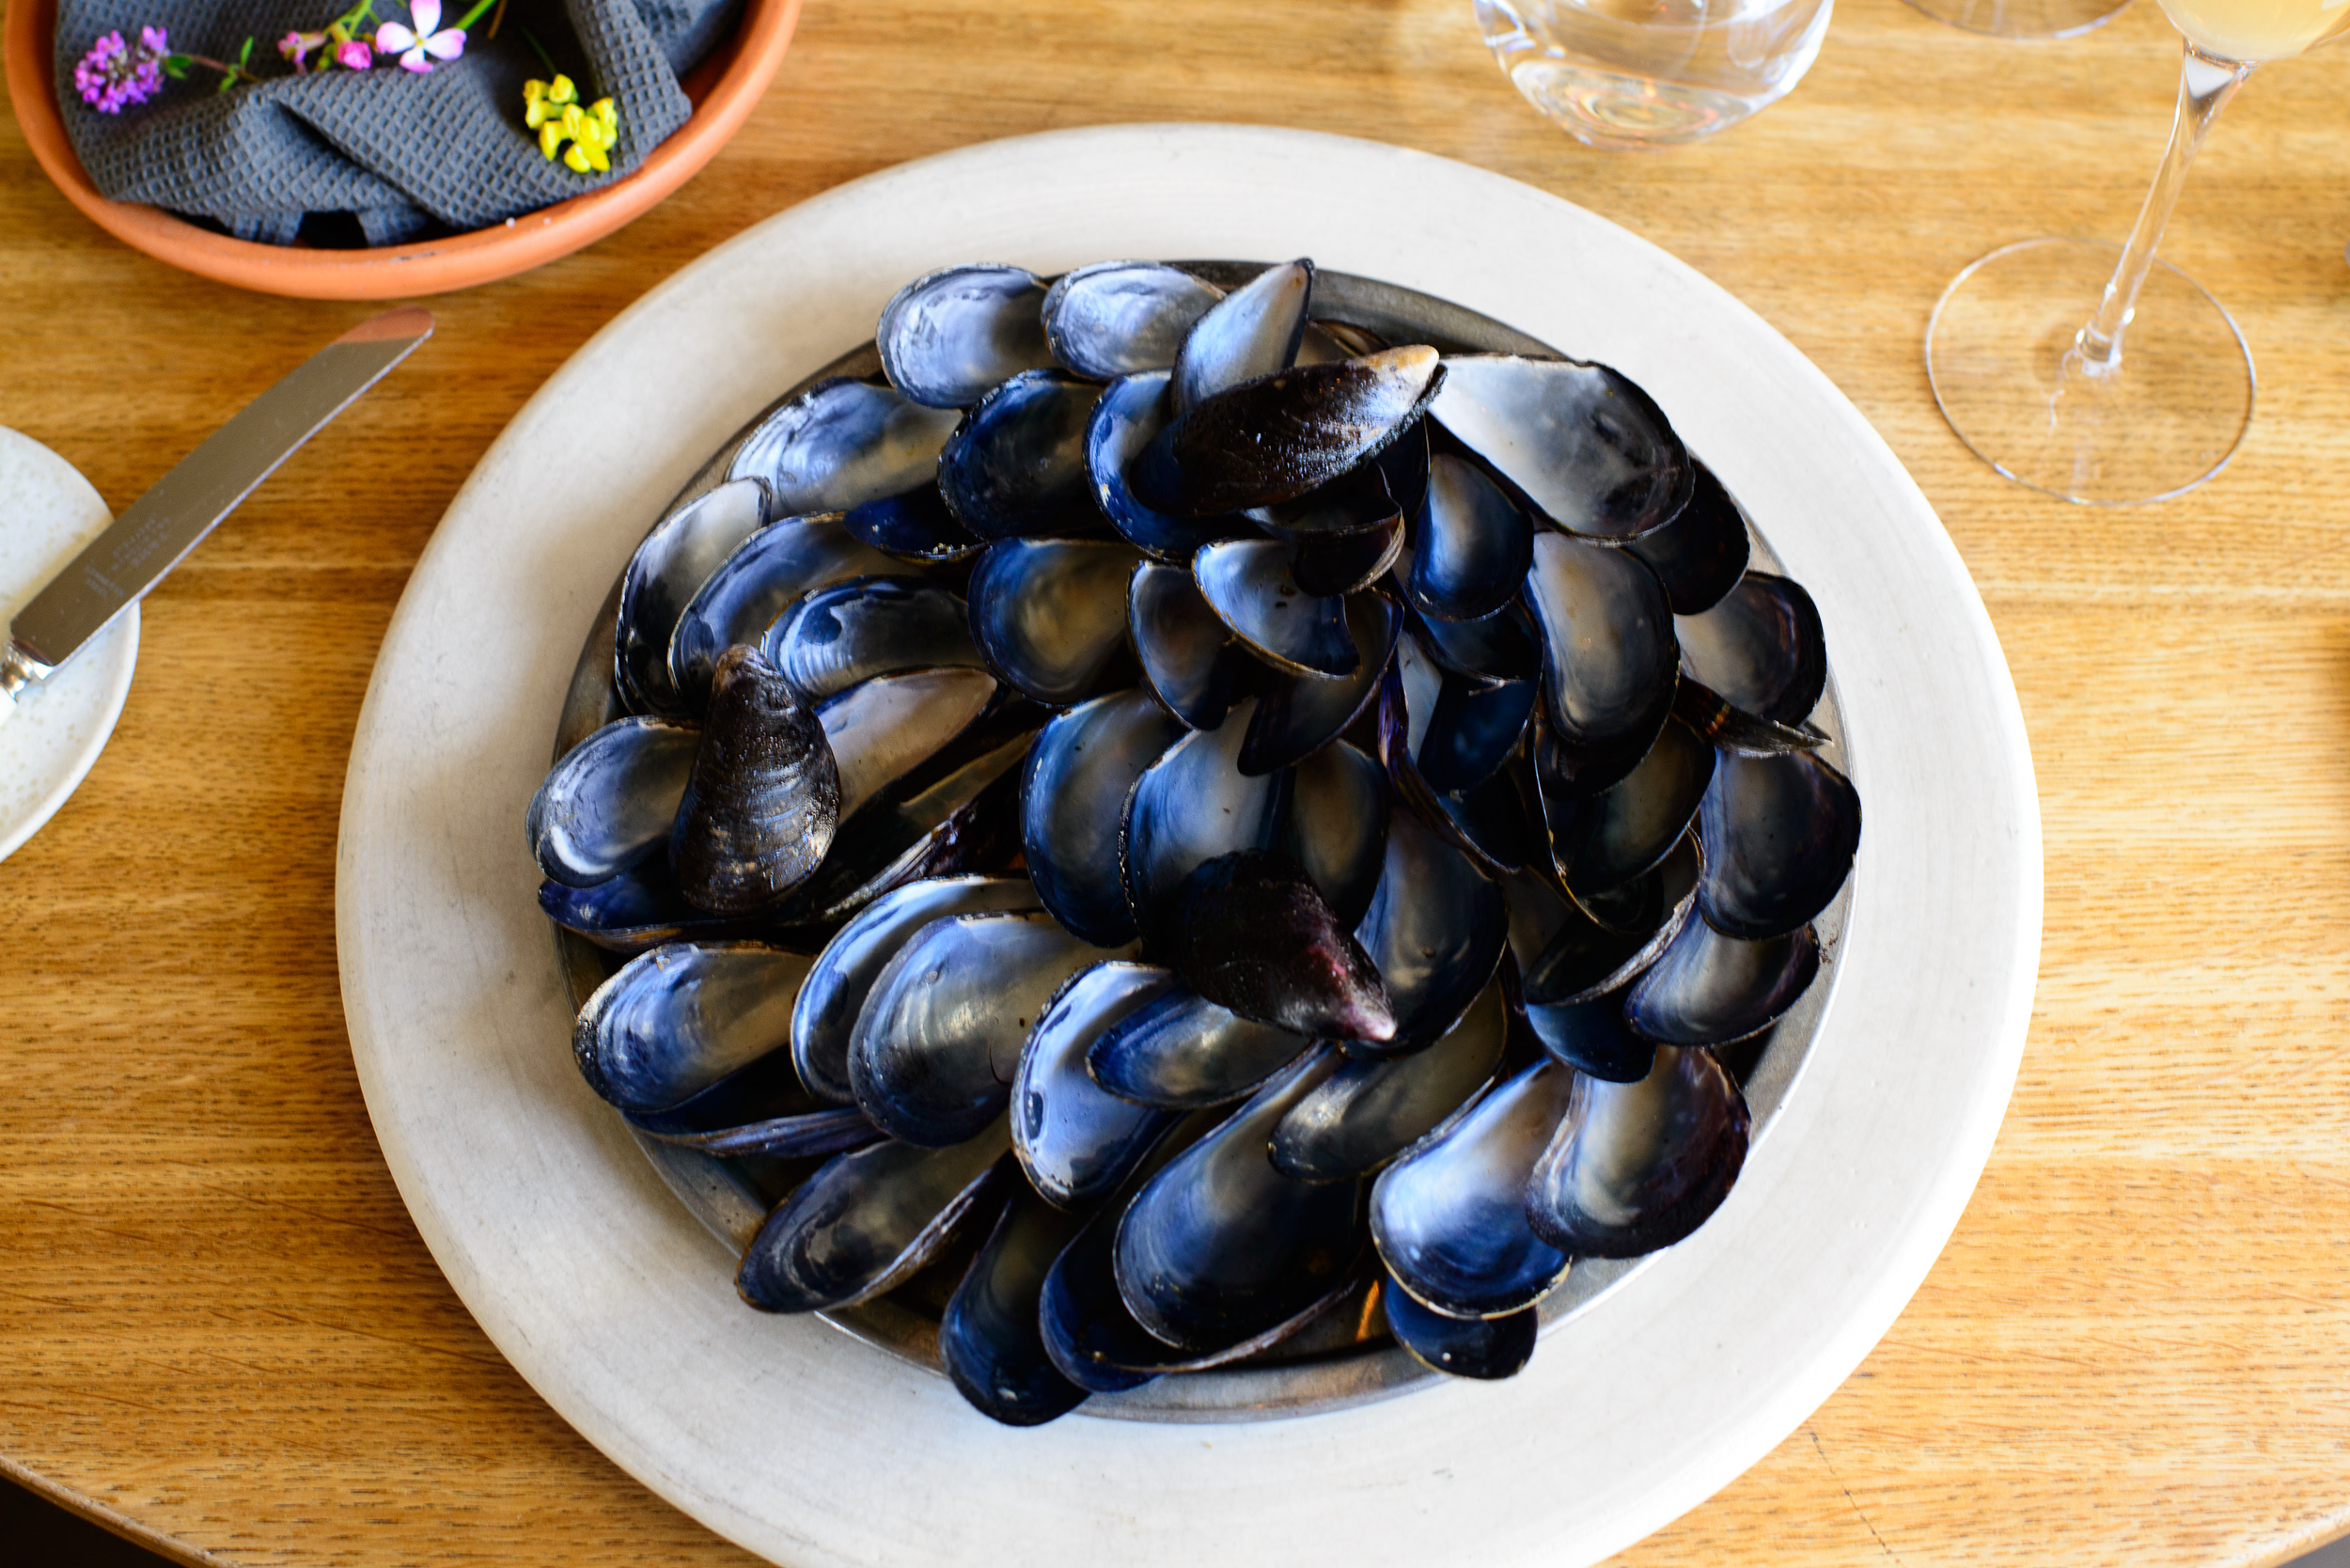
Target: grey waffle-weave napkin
{"points": [[405, 154]]}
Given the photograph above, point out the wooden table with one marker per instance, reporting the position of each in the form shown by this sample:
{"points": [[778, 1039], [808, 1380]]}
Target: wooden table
{"points": [[218, 1329]]}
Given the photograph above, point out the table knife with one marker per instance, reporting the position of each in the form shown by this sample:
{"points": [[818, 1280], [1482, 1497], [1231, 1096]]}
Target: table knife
{"points": [[156, 532]]}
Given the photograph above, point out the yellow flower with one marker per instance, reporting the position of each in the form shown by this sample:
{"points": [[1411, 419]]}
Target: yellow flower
{"points": [[550, 137], [552, 110], [543, 101]]}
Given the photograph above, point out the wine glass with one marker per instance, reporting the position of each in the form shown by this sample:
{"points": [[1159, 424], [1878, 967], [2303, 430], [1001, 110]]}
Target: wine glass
{"points": [[2023, 19], [2026, 346]]}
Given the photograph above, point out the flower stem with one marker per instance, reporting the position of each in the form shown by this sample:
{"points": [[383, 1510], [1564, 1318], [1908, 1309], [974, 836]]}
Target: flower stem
{"points": [[464, 24], [552, 69]]}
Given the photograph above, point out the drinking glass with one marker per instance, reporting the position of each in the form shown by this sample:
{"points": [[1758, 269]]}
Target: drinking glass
{"points": [[1642, 74], [2025, 350], [2023, 19]]}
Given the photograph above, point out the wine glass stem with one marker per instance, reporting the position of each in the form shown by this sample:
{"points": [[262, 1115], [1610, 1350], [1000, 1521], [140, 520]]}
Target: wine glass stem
{"points": [[2206, 82]]}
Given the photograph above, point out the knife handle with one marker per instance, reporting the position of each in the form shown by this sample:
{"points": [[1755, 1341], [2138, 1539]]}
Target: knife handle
{"points": [[18, 675]]}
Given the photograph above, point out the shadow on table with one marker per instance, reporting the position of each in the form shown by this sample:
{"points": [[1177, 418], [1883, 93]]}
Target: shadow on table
{"points": [[35, 1533]]}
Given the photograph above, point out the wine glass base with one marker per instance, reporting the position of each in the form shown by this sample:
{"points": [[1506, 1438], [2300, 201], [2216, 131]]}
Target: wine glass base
{"points": [[2023, 19], [2172, 418]]}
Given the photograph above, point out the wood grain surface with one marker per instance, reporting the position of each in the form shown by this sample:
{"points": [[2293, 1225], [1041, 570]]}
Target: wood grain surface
{"points": [[218, 1329]]}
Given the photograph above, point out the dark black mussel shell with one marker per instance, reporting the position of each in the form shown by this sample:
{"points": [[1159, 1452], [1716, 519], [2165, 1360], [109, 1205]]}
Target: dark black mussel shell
{"points": [[990, 1338], [1592, 1037], [912, 527], [1564, 955], [1250, 332], [865, 1221], [1484, 1348], [1184, 1052], [1604, 841], [1132, 413], [678, 1019], [1220, 1247], [764, 576], [1471, 543], [938, 1042], [841, 443], [1078, 775], [851, 632], [1448, 1217], [824, 1015], [1015, 467], [1250, 584], [1610, 663], [766, 794], [1357, 502], [1589, 448], [1348, 564], [1367, 1112], [1639, 1165], [1497, 823], [1780, 835], [1190, 806], [610, 802], [663, 577], [1500, 647], [1274, 439], [1190, 659], [1335, 826], [1702, 551], [1299, 715], [1453, 733], [1252, 933], [1050, 614], [1074, 1140], [1707, 989], [950, 335], [1760, 649], [1436, 931], [1115, 318], [1730, 728]]}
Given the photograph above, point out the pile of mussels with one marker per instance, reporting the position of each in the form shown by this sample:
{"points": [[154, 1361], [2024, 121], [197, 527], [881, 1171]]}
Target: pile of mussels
{"points": [[1270, 812]]}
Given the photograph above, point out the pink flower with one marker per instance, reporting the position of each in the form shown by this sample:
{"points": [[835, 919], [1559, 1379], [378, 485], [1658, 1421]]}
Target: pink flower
{"points": [[354, 56], [426, 39], [113, 75], [296, 47]]}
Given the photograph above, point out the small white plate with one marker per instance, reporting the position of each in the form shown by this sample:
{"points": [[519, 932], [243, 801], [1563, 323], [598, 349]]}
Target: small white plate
{"points": [[47, 513], [801, 1444]]}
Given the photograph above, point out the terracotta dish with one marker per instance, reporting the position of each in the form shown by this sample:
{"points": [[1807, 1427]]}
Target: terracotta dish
{"points": [[722, 89]]}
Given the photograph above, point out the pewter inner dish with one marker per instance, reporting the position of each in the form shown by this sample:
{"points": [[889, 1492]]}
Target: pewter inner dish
{"points": [[1342, 586]]}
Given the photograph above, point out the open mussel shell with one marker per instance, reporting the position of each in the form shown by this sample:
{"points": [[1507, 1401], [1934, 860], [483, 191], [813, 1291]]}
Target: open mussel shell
{"points": [[950, 335], [1274, 439], [1496, 823], [1780, 836], [1348, 563], [1702, 551], [1760, 649], [1191, 806], [1078, 775], [1250, 931], [1049, 614], [851, 632], [991, 1339], [611, 800], [1015, 467], [823, 1018], [1592, 1037], [1708, 989], [1587, 445], [1220, 1247], [938, 1041], [1367, 1112], [1335, 826], [1500, 647], [1299, 715], [765, 797], [1565, 953], [864, 1222], [1604, 841], [1115, 318], [1357, 502], [1180, 1051], [912, 527], [1073, 1140], [760, 1109], [1249, 585], [639, 909], [678, 1019], [1483, 1348], [1250, 332], [663, 577], [1448, 1217], [1610, 663], [1190, 659], [1730, 728], [1436, 929], [840, 445], [883, 730], [1471, 544], [1447, 733], [1639, 1165], [1131, 414], [761, 579]]}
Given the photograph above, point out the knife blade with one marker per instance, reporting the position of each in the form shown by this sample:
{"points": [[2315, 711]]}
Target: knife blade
{"points": [[156, 532]]}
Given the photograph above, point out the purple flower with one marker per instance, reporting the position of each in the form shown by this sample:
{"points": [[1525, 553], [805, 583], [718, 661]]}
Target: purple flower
{"points": [[296, 47], [114, 75], [427, 38]]}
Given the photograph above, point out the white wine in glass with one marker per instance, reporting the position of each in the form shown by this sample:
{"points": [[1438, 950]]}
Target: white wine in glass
{"points": [[2093, 371]]}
